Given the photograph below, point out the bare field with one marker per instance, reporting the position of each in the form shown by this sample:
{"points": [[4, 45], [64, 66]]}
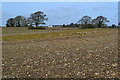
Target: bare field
{"points": [[68, 56], [25, 30]]}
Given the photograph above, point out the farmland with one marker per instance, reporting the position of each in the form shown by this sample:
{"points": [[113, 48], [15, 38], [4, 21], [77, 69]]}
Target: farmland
{"points": [[65, 53]]}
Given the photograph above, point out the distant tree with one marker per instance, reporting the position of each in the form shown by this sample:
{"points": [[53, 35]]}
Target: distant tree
{"points": [[71, 23], [38, 18], [114, 26], [76, 25], [63, 25], [118, 25], [10, 22], [95, 23], [100, 20], [85, 20], [17, 20], [30, 22], [20, 21], [24, 21]]}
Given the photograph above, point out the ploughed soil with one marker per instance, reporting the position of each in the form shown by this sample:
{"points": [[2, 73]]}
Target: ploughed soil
{"points": [[86, 56]]}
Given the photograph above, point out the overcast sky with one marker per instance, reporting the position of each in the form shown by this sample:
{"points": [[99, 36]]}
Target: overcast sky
{"points": [[61, 12]]}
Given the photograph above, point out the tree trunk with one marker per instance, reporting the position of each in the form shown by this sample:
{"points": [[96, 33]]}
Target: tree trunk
{"points": [[7, 25], [100, 24], [36, 24], [18, 25]]}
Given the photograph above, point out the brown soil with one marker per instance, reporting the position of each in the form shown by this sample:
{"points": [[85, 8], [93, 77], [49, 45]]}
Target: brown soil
{"points": [[66, 57]]}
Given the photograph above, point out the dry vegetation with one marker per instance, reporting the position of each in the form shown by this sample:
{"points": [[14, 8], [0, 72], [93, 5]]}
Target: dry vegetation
{"points": [[25, 30], [68, 54]]}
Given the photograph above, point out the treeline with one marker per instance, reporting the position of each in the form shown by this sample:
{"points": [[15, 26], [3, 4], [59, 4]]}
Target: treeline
{"points": [[88, 22], [39, 17], [35, 19]]}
